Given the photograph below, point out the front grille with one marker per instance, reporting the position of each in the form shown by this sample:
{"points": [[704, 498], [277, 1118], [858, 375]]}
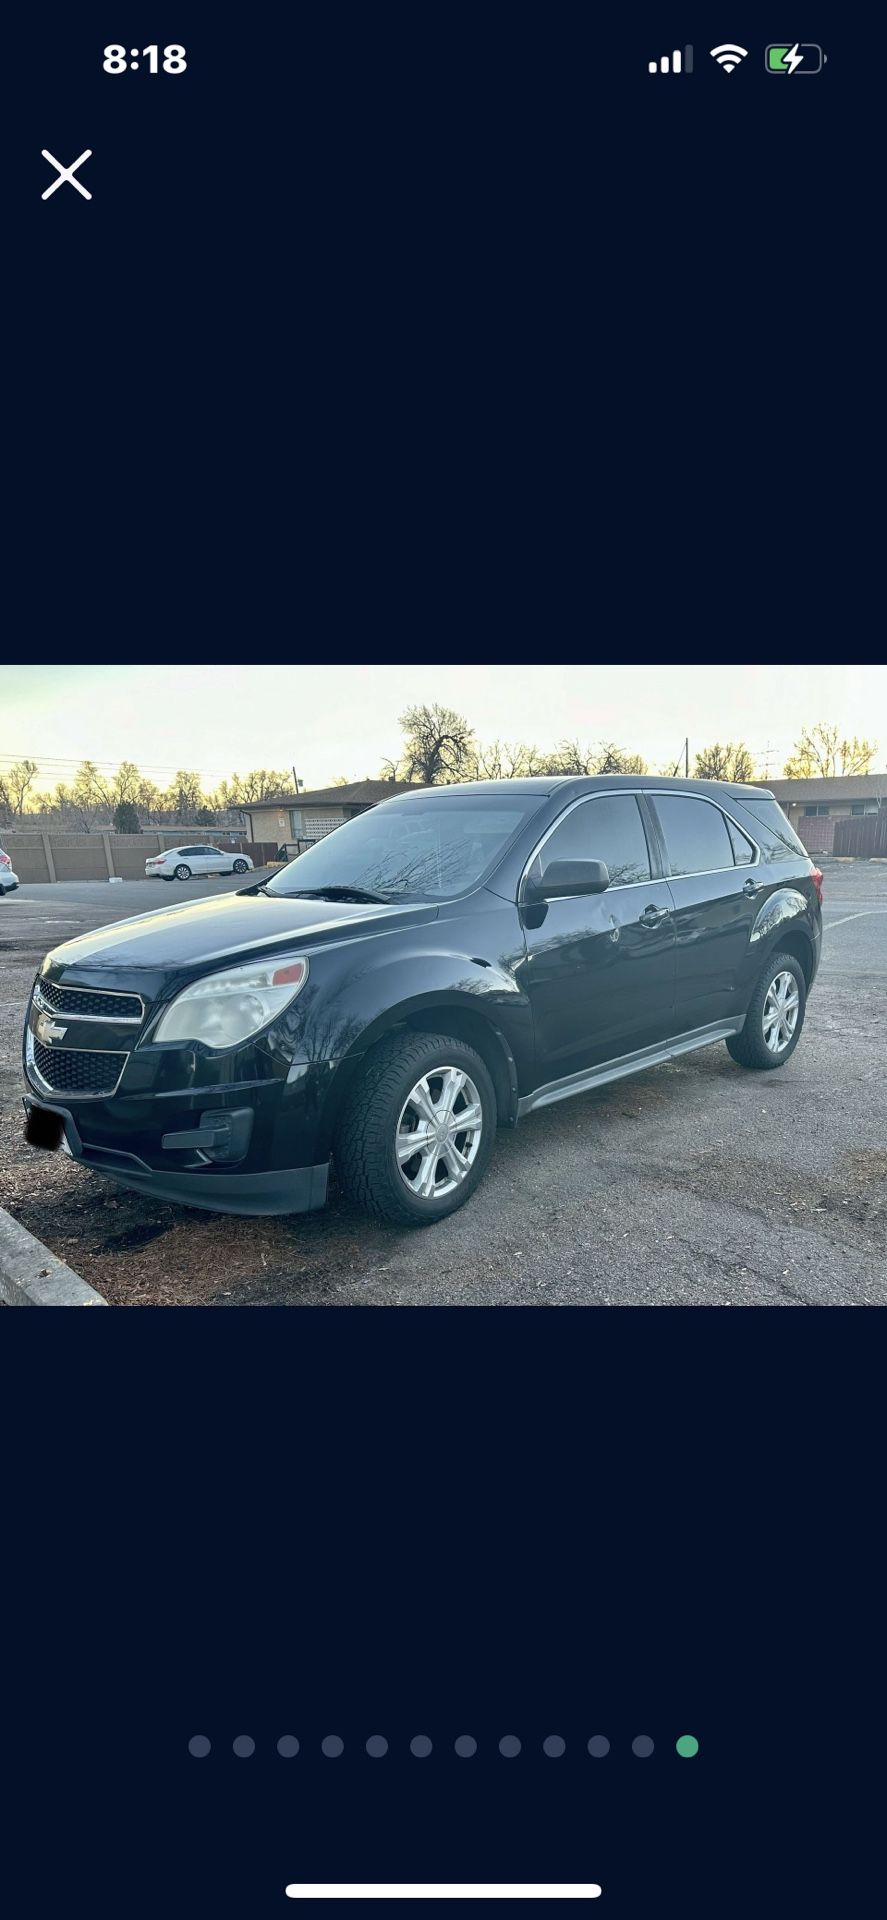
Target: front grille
{"points": [[88, 1004], [68, 1071]]}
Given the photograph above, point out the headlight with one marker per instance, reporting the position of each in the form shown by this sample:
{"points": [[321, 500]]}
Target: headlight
{"points": [[225, 1008]]}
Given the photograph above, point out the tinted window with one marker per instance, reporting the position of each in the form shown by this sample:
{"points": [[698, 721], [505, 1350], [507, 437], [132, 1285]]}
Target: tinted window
{"points": [[743, 851], [770, 827], [608, 828], [696, 837], [422, 849]]}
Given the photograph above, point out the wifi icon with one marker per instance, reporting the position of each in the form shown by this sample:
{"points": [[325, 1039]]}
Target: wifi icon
{"points": [[728, 56]]}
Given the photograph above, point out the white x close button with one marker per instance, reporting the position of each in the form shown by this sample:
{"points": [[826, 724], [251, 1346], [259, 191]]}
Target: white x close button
{"points": [[65, 173]]}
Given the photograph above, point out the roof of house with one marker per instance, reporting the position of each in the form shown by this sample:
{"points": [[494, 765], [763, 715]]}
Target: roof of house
{"points": [[356, 793], [841, 786]]}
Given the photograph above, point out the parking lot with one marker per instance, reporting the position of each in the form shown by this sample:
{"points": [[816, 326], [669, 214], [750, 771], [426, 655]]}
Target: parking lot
{"points": [[694, 1184]]}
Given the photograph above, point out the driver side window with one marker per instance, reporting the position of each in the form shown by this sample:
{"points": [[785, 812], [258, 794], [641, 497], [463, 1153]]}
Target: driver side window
{"points": [[606, 827]]}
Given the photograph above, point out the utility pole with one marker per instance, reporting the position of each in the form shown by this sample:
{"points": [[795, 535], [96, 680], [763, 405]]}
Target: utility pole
{"points": [[295, 780], [687, 758]]}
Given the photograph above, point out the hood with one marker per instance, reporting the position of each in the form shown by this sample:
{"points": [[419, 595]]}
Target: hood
{"points": [[233, 925]]}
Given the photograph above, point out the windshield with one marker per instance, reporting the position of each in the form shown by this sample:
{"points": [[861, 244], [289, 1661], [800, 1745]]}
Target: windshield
{"points": [[424, 850]]}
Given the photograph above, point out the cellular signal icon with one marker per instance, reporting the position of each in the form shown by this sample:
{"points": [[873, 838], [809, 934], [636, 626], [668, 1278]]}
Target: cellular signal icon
{"points": [[676, 62]]}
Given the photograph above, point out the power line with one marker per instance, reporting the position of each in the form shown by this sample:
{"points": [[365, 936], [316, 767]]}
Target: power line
{"points": [[50, 760]]}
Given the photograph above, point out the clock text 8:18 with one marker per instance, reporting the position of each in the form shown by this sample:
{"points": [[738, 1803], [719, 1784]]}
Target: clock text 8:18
{"points": [[174, 61]]}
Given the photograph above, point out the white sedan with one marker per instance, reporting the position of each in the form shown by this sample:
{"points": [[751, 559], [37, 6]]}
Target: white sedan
{"points": [[187, 863], [8, 879]]}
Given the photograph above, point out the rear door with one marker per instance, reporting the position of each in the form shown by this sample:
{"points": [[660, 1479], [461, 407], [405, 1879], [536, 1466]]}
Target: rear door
{"points": [[601, 969], [717, 886]]}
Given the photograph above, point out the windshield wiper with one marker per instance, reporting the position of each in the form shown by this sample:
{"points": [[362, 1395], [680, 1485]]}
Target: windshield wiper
{"points": [[336, 893]]}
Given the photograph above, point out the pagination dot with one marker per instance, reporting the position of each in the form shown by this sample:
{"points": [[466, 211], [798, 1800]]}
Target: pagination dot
{"points": [[509, 1746], [642, 1746], [377, 1746], [420, 1746], [288, 1746], [243, 1746], [553, 1746], [598, 1746], [199, 1746], [466, 1746], [332, 1746], [687, 1746]]}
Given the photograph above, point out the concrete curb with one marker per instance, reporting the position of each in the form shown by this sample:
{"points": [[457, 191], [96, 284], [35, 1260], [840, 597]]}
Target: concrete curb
{"points": [[31, 1276]]}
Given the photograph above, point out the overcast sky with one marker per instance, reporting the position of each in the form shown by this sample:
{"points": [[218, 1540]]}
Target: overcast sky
{"points": [[330, 720]]}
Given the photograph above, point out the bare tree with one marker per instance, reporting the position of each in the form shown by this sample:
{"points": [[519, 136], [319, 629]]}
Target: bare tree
{"points": [[613, 759], [822, 753], [125, 784], [438, 745], [91, 795], [149, 801], [184, 797], [19, 781], [732, 762]]}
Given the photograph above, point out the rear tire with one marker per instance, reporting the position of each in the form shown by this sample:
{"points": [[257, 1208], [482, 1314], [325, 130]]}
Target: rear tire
{"points": [[416, 1086], [168, 877], [183, 872], [775, 1016], [240, 866]]}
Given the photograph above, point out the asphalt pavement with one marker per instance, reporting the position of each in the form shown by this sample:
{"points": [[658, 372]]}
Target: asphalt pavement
{"points": [[695, 1183]]}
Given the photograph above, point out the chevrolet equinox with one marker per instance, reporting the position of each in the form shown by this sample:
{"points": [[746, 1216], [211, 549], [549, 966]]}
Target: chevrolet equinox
{"points": [[442, 965]]}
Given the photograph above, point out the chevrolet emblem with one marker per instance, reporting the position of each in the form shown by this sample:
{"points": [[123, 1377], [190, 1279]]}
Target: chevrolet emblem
{"points": [[48, 1030]]}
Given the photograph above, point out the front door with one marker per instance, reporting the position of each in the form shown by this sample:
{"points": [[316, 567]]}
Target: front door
{"points": [[600, 972]]}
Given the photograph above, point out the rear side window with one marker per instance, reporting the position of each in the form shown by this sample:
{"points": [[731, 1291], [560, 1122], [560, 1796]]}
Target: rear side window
{"points": [[696, 837], [608, 828], [776, 839], [743, 851]]}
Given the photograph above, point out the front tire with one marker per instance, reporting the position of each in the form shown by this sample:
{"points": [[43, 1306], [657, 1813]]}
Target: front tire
{"points": [[417, 1132], [183, 872], [775, 1016]]}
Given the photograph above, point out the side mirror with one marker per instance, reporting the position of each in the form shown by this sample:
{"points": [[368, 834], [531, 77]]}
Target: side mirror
{"points": [[570, 879]]}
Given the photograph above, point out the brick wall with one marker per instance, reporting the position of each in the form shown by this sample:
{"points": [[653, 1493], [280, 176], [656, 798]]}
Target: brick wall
{"points": [[817, 835]]}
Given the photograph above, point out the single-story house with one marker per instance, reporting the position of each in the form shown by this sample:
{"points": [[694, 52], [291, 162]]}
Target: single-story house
{"points": [[290, 818], [812, 806], [842, 796]]}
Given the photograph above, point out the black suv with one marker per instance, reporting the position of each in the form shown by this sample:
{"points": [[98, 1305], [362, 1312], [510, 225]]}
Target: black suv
{"points": [[443, 964]]}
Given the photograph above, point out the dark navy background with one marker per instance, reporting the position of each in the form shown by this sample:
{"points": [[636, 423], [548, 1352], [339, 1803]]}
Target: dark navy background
{"points": [[440, 1523], [421, 331]]}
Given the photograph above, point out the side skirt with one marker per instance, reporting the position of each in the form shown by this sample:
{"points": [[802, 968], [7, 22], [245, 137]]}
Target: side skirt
{"points": [[627, 1063]]}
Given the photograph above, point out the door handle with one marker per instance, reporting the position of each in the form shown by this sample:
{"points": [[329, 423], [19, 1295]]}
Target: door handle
{"points": [[751, 888], [651, 916]]}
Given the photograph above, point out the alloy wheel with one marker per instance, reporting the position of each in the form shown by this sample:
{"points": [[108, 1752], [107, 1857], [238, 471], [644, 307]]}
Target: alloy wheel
{"points": [[781, 1009], [439, 1132]]}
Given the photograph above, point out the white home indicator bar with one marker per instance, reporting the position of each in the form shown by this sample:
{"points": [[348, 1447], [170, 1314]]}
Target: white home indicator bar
{"points": [[442, 1890]]}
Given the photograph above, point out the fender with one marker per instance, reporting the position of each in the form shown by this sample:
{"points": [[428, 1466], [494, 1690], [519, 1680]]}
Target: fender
{"points": [[781, 907], [357, 1006]]}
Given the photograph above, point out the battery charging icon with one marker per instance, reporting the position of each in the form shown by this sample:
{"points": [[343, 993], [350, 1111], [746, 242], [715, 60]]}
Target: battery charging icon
{"points": [[804, 57]]}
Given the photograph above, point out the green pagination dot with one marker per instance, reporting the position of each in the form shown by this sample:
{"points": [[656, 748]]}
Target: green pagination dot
{"points": [[687, 1746]]}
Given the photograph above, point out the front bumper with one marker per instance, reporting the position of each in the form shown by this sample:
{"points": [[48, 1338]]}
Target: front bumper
{"points": [[280, 1190]]}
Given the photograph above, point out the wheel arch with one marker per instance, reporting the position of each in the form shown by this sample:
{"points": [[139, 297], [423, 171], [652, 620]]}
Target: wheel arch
{"points": [[781, 927], [797, 942], [442, 1014]]}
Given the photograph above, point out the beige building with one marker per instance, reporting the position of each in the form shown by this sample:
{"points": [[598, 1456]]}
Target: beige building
{"points": [[845, 796], [291, 819]]}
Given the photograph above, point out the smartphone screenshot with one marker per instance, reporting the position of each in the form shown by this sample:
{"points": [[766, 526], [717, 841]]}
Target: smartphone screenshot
{"points": [[453, 982]]}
